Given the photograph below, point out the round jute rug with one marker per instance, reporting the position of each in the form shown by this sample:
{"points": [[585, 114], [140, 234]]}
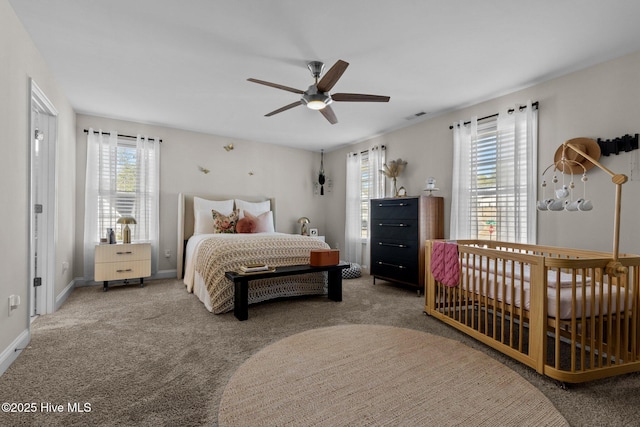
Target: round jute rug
{"points": [[366, 375]]}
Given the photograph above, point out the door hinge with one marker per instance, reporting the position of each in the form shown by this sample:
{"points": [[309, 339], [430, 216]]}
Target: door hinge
{"points": [[37, 281]]}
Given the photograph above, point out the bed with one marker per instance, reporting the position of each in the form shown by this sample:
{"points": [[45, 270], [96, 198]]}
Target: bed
{"points": [[563, 312], [205, 254]]}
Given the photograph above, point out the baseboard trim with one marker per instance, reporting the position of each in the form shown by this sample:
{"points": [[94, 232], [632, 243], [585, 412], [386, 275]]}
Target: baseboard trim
{"points": [[11, 353], [62, 297], [165, 274]]}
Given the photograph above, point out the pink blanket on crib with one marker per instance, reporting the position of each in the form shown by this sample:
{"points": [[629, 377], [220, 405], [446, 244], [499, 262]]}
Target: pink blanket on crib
{"points": [[445, 266]]}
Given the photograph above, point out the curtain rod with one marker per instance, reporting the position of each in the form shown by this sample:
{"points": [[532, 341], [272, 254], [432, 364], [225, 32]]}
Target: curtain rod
{"points": [[522, 107], [382, 147], [123, 136]]}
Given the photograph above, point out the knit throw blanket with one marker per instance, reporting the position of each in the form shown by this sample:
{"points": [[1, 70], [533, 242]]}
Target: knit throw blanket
{"points": [[229, 252], [445, 267]]}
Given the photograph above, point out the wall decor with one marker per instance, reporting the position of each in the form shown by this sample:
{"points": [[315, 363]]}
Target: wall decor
{"points": [[624, 143], [321, 176]]}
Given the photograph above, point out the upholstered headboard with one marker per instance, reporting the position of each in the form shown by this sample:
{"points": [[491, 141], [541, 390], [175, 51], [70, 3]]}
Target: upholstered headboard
{"points": [[186, 219]]}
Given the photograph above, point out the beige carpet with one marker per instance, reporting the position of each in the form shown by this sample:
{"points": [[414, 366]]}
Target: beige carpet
{"points": [[359, 375]]}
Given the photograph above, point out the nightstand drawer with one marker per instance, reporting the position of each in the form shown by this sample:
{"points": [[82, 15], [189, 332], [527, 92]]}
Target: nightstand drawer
{"points": [[123, 252], [122, 270]]}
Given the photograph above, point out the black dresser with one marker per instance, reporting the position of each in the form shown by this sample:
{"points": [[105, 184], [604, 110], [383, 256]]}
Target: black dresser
{"points": [[399, 229]]}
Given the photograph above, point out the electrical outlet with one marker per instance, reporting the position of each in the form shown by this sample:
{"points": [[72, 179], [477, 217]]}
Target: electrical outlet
{"points": [[14, 302], [167, 253]]}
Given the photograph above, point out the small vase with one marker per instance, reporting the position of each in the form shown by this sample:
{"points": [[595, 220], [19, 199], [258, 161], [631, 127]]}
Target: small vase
{"points": [[395, 188]]}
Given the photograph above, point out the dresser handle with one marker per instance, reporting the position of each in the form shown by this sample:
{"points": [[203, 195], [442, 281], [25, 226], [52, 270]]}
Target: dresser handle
{"points": [[391, 265], [124, 271], [395, 245], [392, 205], [392, 225], [124, 253]]}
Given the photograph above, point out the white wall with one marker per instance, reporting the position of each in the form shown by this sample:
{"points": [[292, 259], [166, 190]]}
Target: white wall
{"points": [[250, 169], [21, 60], [602, 101]]}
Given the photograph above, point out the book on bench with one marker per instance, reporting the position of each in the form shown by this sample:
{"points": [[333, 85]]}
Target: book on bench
{"points": [[254, 268]]}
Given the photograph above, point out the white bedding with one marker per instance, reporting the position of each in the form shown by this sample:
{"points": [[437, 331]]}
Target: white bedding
{"points": [[486, 285]]}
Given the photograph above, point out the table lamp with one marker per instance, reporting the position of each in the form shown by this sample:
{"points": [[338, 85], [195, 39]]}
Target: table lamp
{"points": [[126, 231], [303, 228]]}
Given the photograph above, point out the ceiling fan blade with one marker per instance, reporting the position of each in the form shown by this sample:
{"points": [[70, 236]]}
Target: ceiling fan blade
{"points": [[277, 86], [331, 77], [285, 108], [328, 114], [358, 97]]}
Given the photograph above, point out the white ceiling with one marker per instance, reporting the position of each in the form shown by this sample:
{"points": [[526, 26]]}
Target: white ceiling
{"points": [[184, 64]]}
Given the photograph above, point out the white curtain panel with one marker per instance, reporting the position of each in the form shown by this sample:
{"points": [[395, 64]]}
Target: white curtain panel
{"points": [[377, 159], [517, 174], [353, 218], [147, 204], [460, 222], [101, 153]]}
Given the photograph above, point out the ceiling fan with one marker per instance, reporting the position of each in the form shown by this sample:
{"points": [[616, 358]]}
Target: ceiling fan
{"points": [[317, 96]]}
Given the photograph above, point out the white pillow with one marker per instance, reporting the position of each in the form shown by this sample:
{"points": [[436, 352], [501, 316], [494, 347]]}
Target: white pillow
{"points": [[256, 208], [202, 216]]}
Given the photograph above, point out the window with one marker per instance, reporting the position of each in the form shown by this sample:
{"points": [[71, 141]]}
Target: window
{"points": [[364, 182], [122, 180], [494, 178]]}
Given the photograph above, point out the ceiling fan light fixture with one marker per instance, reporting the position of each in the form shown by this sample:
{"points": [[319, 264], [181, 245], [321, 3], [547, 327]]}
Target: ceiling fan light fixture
{"points": [[316, 104], [315, 100]]}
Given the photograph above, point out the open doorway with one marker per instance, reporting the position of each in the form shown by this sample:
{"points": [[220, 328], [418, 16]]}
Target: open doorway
{"points": [[43, 141]]}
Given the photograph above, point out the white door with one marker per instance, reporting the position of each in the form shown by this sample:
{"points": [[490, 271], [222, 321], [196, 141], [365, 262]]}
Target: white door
{"points": [[42, 203]]}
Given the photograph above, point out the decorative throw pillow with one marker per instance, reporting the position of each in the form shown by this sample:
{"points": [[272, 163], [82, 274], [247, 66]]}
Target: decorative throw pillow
{"points": [[264, 222], [203, 222], [224, 223], [246, 225]]}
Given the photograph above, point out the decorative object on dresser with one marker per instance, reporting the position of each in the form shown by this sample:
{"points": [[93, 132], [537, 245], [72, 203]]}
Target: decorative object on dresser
{"points": [[430, 185], [126, 231], [393, 170], [122, 262], [399, 231]]}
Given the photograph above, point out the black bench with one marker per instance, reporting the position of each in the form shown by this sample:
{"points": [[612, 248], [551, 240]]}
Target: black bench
{"points": [[241, 283]]}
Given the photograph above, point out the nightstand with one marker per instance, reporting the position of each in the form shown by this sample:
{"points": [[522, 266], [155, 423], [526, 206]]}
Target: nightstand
{"points": [[122, 261]]}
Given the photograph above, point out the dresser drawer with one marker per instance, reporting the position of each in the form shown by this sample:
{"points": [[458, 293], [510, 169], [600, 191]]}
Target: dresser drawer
{"points": [[395, 270], [122, 270], [394, 208], [399, 249], [398, 229], [122, 252]]}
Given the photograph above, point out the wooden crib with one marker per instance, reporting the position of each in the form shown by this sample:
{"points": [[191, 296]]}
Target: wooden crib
{"points": [[559, 311]]}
